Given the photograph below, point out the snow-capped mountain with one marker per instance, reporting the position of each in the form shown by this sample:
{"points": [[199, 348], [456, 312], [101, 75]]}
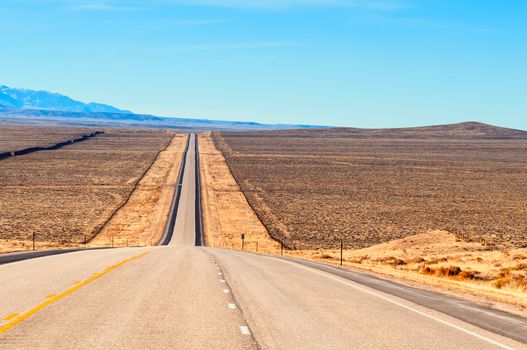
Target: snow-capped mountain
{"points": [[44, 100]]}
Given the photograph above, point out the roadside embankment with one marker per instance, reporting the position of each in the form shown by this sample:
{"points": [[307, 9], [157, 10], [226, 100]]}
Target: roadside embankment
{"points": [[141, 220], [226, 213], [439, 259]]}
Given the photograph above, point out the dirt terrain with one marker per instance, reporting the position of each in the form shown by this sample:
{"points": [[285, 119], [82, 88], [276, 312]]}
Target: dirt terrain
{"points": [[443, 208], [141, 221], [313, 188], [226, 212], [13, 138], [66, 196]]}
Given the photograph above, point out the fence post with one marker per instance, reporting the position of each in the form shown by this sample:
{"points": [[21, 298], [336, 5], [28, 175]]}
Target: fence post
{"points": [[281, 248], [257, 246], [243, 240], [33, 240], [341, 248]]}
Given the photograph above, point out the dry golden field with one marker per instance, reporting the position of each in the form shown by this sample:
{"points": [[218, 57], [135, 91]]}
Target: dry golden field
{"points": [[66, 196], [440, 259], [226, 213], [312, 188], [141, 221]]}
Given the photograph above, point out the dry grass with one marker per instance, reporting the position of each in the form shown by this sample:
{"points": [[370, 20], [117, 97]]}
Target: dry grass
{"points": [[66, 196], [226, 211], [395, 197], [310, 188], [439, 258], [141, 221]]}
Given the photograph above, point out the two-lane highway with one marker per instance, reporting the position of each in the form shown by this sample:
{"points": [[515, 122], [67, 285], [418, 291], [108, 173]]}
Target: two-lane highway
{"points": [[172, 297], [185, 297]]}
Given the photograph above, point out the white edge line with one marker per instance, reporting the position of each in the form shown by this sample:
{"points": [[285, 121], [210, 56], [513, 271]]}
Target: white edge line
{"points": [[245, 330], [367, 291]]}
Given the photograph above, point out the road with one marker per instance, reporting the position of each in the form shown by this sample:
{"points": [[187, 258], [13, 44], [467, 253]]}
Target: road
{"points": [[184, 297]]}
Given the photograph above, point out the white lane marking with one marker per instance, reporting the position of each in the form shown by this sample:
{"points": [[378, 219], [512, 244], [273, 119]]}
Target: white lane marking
{"points": [[225, 291], [222, 281], [367, 291], [232, 306], [245, 330]]}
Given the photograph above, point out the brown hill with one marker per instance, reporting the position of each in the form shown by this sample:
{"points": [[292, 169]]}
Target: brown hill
{"points": [[464, 131]]}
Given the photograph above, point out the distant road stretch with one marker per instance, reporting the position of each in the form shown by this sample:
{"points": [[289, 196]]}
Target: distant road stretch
{"points": [[181, 296]]}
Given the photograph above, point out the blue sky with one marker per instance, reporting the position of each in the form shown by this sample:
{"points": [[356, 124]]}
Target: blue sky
{"points": [[364, 63]]}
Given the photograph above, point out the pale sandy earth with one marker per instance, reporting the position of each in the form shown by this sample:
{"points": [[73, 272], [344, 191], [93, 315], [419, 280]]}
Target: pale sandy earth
{"points": [[66, 196], [226, 211], [141, 221]]}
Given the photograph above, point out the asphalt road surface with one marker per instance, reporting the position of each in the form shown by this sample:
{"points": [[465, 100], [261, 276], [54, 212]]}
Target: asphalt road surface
{"points": [[185, 297]]}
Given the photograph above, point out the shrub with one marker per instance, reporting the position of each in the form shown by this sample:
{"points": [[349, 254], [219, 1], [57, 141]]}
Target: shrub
{"points": [[469, 274], [441, 271], [501, 282], [520, 266], [324, 256]]}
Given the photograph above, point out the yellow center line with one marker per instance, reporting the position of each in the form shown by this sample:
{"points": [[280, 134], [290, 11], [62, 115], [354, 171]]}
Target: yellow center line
{"points": [[16, 318], [10, 317]]}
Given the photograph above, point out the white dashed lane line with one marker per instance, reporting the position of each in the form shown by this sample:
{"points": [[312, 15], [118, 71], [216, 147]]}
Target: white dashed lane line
{"points": [[232, 306], [245, 330]]}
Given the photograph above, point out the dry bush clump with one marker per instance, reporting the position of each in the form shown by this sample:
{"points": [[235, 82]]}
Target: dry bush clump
{"points": [[312, 188], [66, 196], [438, 258]]}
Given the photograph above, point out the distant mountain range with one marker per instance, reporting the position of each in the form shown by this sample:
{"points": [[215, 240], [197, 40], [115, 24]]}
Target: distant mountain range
{"points": [[44, 100], [42, 107]]}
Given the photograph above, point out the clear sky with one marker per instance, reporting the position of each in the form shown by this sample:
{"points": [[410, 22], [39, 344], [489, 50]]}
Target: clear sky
{"points": [[364, 63]]}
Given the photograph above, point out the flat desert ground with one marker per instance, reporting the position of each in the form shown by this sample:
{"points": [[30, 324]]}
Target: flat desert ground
{"points": [[445, 202]]}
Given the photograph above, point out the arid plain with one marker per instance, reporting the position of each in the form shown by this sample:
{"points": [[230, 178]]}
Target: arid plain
{"points": [[66, 196], [441, 205]]}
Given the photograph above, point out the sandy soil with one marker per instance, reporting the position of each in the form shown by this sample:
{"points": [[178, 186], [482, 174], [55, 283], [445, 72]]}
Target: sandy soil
{"points": [[142, 219], [225, 209]]}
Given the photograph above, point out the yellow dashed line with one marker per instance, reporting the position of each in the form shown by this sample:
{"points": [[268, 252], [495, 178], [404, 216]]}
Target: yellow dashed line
{"points": [[16, 318]]}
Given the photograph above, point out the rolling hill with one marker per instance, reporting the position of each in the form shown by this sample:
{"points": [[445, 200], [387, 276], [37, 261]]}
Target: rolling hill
{"points": [[463, 131]]}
